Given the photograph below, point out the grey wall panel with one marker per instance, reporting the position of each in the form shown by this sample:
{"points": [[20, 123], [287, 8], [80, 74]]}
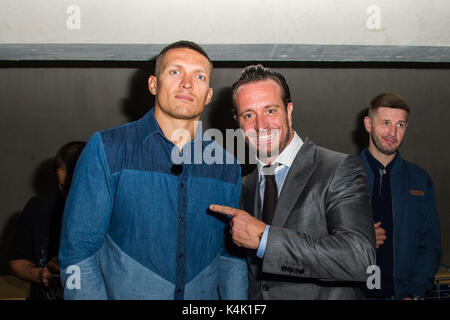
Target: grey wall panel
{"points": [[22, 53]]}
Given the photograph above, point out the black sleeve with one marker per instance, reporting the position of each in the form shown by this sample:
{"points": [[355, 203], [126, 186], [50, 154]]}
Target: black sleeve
{"points": [[22, 246]]}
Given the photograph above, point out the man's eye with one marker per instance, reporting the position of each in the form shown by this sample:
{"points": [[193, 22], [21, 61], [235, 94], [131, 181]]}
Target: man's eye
{"points": [[174, 72], [201, 77], [247, 116], [270, 111]]}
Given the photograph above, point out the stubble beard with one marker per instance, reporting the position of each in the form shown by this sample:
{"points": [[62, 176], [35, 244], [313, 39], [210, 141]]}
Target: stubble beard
{"points": [[268, 154], [378, 145], [177, 112]]}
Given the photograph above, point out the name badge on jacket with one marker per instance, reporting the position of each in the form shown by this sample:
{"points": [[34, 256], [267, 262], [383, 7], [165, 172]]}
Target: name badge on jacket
{"points": [[417, 193]]}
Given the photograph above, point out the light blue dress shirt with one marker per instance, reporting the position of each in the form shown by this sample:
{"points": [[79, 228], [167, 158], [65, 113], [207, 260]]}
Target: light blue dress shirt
{"points": [[282, 164]]}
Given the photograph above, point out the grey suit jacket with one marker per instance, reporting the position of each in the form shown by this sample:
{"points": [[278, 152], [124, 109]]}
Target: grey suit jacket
{"points": [[322, 238]]}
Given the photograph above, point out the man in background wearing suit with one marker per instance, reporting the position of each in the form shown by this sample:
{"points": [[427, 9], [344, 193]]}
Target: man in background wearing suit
{"points": [[305, 215]]}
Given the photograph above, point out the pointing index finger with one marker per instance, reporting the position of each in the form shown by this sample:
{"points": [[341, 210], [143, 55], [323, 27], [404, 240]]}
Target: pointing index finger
{"points": [[229, 211]]}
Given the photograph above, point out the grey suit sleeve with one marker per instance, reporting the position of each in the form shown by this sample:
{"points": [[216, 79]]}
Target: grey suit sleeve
{"points": [[346, 250]]}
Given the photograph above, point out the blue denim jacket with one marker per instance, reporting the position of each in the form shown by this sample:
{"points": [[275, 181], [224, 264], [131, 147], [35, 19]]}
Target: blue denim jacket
{"points": [[136, 230], [417, 241]]}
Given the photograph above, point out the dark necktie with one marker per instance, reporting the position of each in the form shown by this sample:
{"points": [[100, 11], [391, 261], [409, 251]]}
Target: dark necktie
{"points": [[270, 198]]}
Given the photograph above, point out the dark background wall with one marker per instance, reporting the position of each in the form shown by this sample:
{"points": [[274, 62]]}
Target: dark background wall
{"points": [[41, 108]]}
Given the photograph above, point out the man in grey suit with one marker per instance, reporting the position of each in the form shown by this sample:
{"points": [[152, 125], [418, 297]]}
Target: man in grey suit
{"points": [[305, 217]]}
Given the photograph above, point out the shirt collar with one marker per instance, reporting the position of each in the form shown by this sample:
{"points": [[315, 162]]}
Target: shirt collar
{"points": [[286, 157], [151, 126], [376, 165]]}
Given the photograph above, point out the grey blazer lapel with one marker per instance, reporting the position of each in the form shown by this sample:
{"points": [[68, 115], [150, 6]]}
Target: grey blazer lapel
{"points": [[298, 175]]}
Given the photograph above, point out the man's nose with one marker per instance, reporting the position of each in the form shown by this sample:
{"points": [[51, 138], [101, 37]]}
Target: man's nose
{"points": [[186, 82], [261, 122], [392, 130]]}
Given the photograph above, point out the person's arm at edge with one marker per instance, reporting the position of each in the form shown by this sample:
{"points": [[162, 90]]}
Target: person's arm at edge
{"points": [[85, 222]]}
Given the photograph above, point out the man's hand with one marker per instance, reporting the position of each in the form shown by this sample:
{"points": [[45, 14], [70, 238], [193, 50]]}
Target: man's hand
{"points": [[49, 275], [245, 229], [380, 234], [28, 271]]}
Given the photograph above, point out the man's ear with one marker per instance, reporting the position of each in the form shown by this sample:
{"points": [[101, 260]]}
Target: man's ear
{"points": [[209, 96], [152, 82], [367, 123], [289, 108]]}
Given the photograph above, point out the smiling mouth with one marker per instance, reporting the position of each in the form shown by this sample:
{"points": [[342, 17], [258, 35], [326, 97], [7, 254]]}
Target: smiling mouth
{"points": [[266, 137], [262, 138]]}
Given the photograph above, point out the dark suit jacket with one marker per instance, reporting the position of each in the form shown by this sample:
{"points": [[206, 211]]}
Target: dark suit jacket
{"points": [[322, 238]]}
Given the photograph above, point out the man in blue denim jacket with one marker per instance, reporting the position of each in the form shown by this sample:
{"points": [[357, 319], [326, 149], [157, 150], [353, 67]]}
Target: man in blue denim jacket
{"points": [[136, 223], [403, 204]]}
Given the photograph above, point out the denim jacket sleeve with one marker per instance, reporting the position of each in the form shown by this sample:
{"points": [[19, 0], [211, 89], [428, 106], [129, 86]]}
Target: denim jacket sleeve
{"points": [[233, 274], [85, 222]]}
